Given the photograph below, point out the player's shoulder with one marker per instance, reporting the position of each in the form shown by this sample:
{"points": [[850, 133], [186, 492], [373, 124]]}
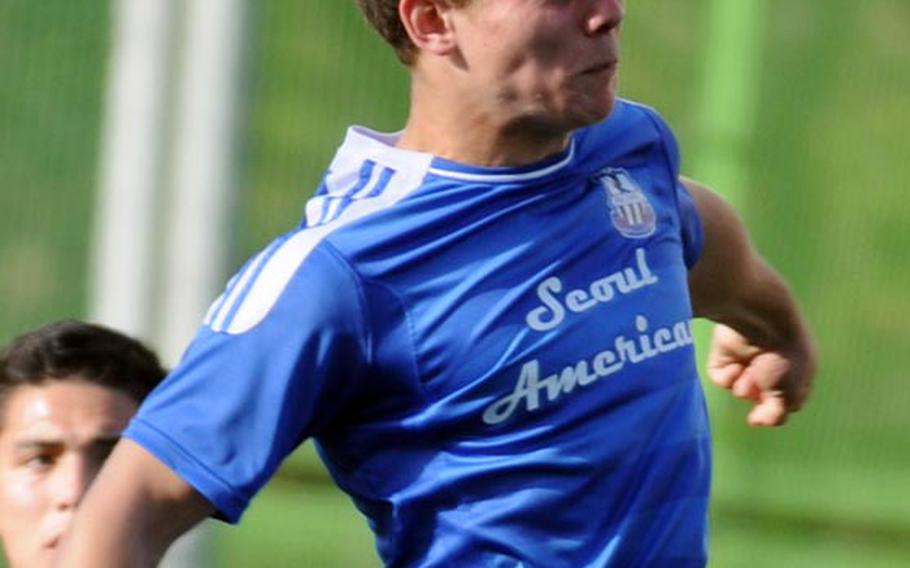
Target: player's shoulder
{"points": [[300, 266], [631, 129], [632, 117], [637, 109]]}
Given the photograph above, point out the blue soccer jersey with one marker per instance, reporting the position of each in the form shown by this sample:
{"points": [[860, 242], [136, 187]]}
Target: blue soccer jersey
{"points": [[496, 364]]}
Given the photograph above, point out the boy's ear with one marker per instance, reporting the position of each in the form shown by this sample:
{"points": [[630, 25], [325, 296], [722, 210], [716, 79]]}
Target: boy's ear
{"points": [[428, 25]]}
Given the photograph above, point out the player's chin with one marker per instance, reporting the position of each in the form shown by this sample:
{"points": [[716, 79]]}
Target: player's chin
{"points": [[593, 108], [43, 558]]}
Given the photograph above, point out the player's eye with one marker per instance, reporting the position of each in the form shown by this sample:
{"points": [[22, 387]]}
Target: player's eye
{"points": [[40, 462]]}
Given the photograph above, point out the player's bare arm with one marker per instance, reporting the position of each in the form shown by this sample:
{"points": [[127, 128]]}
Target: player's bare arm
{"points": [[762, 350], [140, 509]]}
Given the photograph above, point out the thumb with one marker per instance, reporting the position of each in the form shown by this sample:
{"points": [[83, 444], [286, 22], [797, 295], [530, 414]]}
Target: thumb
{"points": [[770, 411]]}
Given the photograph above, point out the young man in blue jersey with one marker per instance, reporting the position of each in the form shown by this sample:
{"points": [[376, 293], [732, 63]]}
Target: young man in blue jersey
{"points": [[67, 390], [483, 322]]}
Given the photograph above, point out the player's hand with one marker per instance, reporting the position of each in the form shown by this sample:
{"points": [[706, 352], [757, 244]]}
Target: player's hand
{"points": [[776, 382]]}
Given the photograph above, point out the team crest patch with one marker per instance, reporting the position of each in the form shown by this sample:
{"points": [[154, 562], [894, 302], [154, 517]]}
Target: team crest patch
{"points": [[631, 212]]}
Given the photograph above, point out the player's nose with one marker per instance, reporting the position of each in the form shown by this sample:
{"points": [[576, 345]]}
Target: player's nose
{"points": [[604, 16], [71, 481]]}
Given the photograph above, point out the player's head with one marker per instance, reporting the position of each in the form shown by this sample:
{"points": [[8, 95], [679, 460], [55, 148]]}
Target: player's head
{"points": [[548, 62], [67, 390]]}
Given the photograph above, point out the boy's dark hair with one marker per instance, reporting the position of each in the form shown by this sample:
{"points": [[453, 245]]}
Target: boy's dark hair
{"points": [[383, 17], [74, 350]]}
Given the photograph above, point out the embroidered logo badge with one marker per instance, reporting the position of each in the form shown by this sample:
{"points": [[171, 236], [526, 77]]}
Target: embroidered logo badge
{"points": [[631, 212]]}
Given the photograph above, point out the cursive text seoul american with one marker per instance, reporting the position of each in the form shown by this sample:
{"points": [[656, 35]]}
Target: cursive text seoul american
{"points": [[601, 291]]}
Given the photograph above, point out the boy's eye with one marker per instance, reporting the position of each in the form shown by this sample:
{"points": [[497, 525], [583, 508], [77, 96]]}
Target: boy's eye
{"points": [[40, 462]]}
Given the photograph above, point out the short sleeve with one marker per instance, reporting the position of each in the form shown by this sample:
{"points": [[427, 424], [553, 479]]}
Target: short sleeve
{"points": [[690, 226], [245, 396], [689, 221]]}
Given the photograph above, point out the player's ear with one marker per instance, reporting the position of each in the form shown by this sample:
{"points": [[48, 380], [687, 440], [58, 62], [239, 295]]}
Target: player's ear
{"points": [[429, 25]]}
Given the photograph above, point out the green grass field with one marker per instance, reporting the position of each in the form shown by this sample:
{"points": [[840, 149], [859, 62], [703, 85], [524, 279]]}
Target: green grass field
{"points": [[826, 167]]}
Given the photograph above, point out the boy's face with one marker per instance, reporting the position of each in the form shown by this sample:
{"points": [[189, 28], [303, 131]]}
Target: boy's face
{"points": [[548, 60], [53, 439]]}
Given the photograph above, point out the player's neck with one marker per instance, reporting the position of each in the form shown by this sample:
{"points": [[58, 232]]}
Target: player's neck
{"points": [[458, 129]]}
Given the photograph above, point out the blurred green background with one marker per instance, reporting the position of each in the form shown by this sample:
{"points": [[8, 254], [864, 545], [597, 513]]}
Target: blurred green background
{"points": [[824, 169]]}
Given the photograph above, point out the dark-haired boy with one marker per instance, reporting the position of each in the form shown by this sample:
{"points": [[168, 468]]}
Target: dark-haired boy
{"points": [[67, 390]]}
